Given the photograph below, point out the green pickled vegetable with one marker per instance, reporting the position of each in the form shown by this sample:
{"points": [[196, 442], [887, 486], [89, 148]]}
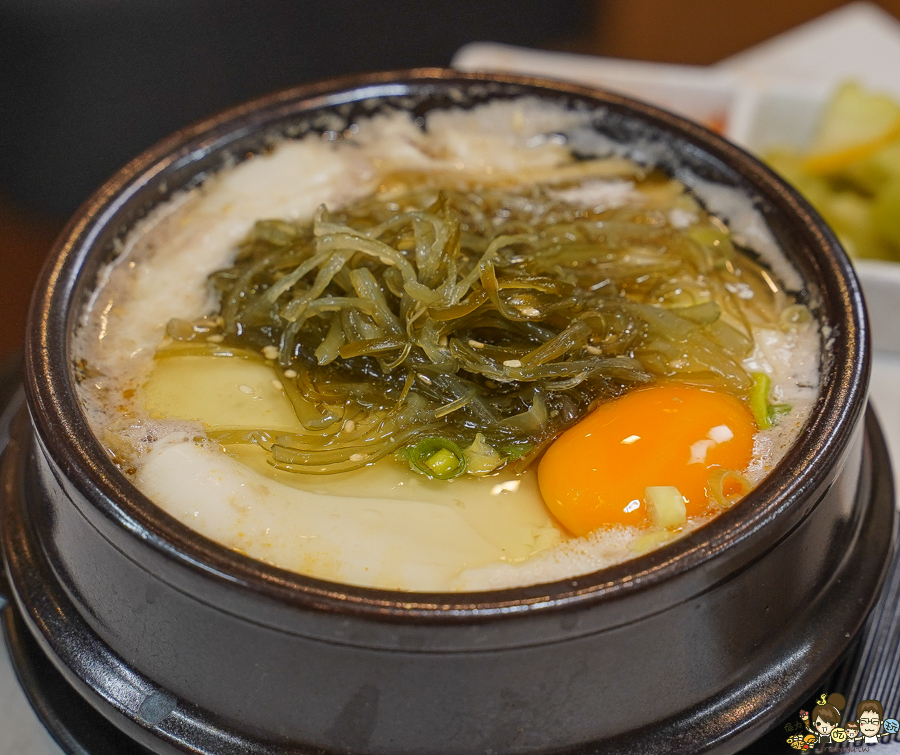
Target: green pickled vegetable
{"points": [[850, 172]]}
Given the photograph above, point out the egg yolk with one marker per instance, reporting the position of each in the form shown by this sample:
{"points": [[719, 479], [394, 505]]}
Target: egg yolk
{"points": [[595, 473]]}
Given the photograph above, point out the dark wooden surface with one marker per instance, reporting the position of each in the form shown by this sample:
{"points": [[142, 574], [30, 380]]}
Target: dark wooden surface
{"points": [[696, 32], [25, 238]]}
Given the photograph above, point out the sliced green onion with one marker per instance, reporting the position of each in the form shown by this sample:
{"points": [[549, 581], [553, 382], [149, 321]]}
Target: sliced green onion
{"points": [[442, 463], [759, 400], [438, 458], [665, 506], [717, 481], [764, 412], [795, 317]]}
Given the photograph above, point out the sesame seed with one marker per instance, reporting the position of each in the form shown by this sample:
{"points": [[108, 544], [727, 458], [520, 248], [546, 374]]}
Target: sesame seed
{"points": [[290, 373], [512, 363], [359, 457], [215, 339], [349, 426], [245, 389], [529, 311], [593, 350], [476, 344], [424, 378], [270, 352], [276, 384]]}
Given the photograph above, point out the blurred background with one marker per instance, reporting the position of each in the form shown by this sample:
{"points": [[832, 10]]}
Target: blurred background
{"points": [[85, 85]]}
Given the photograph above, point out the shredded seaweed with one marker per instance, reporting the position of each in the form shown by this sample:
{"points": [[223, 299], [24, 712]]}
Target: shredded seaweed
{"points": [[486, 316]]}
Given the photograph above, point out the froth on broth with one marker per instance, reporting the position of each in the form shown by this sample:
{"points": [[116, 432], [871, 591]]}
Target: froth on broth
{"points": [[456, 356]]}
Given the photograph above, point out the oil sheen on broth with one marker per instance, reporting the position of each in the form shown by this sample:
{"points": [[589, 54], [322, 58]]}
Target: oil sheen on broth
{"points": [[457, 357]]}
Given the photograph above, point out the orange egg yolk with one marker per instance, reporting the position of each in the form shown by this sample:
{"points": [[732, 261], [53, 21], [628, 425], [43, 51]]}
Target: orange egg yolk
{"points": [[595, 473]]}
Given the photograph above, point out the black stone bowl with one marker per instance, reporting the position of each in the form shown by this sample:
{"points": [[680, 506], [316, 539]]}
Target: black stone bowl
{"points": [[190, 647]]}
